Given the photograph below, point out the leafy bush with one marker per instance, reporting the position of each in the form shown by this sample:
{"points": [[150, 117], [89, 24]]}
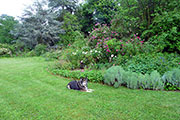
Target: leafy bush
{"points": [[12, 48], [164, 32], [100, 38], [29, 54], [172, 77], [93, 76], [61, 65], [40, 49], [125, 21], [146, 63], [100, 66], [170, 87], [72, 27], [52, 54], [86, 54], [110, 43], [126, 47], [5, 52]]}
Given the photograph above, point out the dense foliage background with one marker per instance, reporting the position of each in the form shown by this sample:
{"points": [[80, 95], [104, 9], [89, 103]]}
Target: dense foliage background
{"points": [[141, 36]]}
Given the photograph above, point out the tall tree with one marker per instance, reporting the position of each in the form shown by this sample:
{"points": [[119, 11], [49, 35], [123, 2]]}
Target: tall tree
{"points": [[39, 26], [63, 6], [101, 11], [7, 24], [69, 5]]}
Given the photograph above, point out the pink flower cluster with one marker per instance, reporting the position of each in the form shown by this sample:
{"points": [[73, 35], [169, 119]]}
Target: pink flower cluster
{"points": [[100, 35], [130, 45], [108, 41]]}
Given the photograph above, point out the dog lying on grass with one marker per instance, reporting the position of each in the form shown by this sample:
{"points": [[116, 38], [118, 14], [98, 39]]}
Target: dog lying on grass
{"points": [[79, 85]]}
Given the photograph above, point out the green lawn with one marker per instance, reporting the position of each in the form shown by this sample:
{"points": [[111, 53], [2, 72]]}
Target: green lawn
{"points": [[28, 91]]}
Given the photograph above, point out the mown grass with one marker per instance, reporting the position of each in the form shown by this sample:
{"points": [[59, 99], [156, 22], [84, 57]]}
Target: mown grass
{"points": [[28, 91]]}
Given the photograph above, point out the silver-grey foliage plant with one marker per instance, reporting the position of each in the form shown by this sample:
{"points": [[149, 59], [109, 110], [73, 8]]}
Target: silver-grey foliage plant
{"points": [[172, 77], [116, 77], [152, 81], [38, 26]]}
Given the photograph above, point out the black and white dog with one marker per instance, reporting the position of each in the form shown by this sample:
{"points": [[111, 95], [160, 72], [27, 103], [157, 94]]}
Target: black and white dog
{"points": [[79, 85]]}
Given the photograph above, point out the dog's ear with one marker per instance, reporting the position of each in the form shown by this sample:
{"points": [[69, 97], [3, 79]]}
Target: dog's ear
{"points": [[86, 79], [81, 78]]}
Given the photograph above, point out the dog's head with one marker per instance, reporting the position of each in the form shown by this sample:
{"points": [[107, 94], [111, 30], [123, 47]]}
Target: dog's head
{"points": [[83, 82]]}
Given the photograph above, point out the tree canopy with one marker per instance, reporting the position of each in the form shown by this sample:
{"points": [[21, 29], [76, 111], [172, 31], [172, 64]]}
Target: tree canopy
{"points": [[7, 24], [39, 26]]}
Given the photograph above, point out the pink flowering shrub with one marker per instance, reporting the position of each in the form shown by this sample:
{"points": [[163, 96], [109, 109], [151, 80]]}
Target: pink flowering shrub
{"points": [[128, 47], [110, 44], [99, 38]]}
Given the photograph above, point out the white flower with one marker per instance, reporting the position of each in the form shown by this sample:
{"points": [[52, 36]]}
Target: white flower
{"points": [[95, 51], [91, 51], [74, 53], [112, 55], [84, 52]]}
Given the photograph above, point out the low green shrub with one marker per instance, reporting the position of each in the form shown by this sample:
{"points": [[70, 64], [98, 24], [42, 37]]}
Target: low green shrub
{"points": [[172, 78], [40, 49], [11, 47], [171, 87], [5, 52], [30, 53], [52, 54], [152, 81], [116, 77], [100, 66], [62, 65], [85, 54], [131, 80], [146, 63], [93, 76]]}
